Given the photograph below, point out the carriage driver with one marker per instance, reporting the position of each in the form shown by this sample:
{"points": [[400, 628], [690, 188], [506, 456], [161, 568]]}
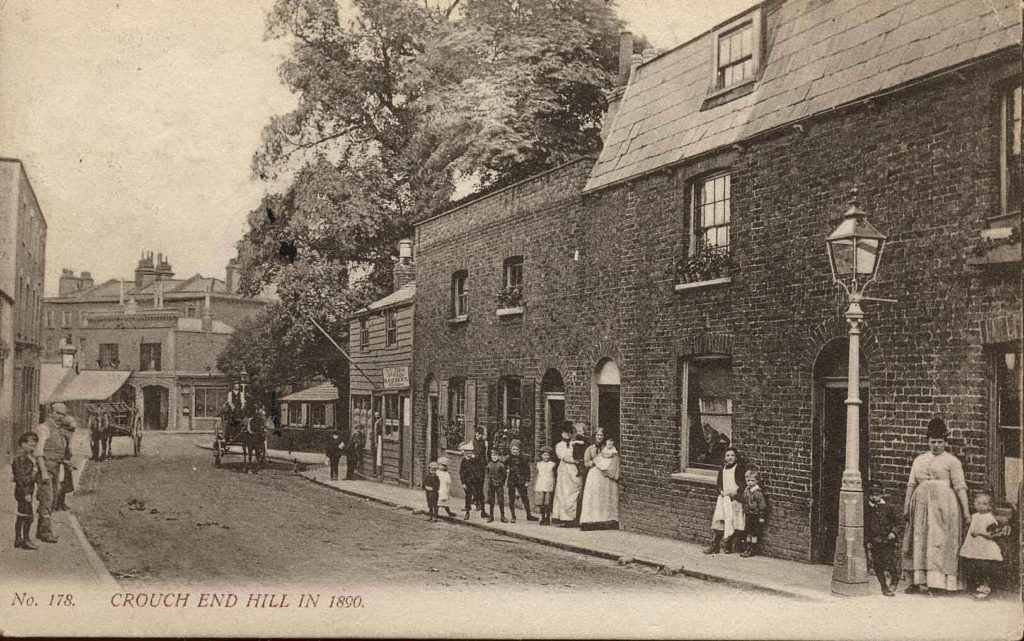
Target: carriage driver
{"points": [[237, 406], [50, 454]]}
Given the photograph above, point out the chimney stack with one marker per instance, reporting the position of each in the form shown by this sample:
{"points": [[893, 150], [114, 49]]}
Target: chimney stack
{"points": [[69, 283], [232, 276], [625, 57], [404, 271], [86, 281], [207, 315]]}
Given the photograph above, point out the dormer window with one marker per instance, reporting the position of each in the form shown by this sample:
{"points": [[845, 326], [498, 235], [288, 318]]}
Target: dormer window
{"points": [[738, 51]]}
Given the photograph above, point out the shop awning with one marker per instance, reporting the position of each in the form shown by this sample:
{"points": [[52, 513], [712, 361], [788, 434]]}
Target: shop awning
{"points": [[92, 385]]}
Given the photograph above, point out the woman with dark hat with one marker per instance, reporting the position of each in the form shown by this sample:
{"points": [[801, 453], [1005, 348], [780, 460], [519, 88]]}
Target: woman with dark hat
{"points": [[936, 510]]}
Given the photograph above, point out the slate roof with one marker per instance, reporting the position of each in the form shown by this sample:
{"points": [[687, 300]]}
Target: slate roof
{"points": [[404, 294], [321, 392], [820, 54]]}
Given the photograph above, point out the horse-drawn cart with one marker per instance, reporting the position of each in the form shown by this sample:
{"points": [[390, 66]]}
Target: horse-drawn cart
{"points": [[106, 402], [108, 419], [249, 433]]}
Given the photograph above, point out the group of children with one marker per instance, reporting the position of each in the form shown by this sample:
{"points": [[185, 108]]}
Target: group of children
{"points": [[483, 483], [740, 511]]}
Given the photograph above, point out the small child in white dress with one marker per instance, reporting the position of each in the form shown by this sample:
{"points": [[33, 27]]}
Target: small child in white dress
{"points": [[980, 555], [444, 492], [545, 484]]}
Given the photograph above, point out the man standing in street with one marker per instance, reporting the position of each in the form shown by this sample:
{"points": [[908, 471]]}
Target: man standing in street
{"points": [[49, 454], [354, 452]]}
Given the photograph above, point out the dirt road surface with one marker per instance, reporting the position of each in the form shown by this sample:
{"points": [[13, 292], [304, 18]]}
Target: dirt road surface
{"points": [[171, 517]]}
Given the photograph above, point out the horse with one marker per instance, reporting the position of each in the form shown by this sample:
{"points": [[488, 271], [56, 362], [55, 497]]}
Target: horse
{"points": [[101, 436], [252, 438]]}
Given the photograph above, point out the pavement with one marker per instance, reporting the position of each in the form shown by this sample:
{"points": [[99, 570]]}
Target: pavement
{"points": [[72, 560], [671, 556]]}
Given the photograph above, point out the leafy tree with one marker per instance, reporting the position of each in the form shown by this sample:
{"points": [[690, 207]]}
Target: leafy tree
{"points": [[399, 107]]}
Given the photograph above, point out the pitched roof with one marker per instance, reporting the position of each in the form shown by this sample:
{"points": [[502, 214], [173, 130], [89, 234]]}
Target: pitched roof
{"points": [[820, 54], [404, 294], [321, 392]]}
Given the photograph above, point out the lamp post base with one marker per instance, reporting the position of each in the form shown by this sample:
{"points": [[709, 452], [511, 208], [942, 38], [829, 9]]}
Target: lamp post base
{"points": [[850, 567]]}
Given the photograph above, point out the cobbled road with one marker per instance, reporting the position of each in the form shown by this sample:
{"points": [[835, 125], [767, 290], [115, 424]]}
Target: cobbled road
{"points": [[170, 517]]}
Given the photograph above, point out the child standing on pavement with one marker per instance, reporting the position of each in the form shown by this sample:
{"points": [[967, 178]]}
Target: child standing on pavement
{"points": [[518, 476], [980, 555], [545, 485], [431, 485], [881, 531], [24, 470], [755, 509], [471, 473], [496, 476], [444, 490]]}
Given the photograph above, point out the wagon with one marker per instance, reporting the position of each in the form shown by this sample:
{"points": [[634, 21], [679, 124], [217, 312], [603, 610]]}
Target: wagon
{"points": [[249, 434], [106, 402], [108, 419]]}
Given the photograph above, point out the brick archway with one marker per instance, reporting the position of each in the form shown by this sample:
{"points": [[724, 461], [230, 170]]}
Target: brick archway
{"points": [[833, 327]]}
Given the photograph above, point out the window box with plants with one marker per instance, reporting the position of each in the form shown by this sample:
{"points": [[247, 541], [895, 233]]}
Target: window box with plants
{"points": [[510, 301], [707, 265]]}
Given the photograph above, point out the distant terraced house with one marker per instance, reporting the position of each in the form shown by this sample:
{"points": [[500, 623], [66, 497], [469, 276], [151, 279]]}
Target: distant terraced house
{"points": [[165, 331]]}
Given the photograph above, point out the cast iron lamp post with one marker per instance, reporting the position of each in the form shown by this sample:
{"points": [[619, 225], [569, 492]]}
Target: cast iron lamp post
{"points": [[854, 251]]}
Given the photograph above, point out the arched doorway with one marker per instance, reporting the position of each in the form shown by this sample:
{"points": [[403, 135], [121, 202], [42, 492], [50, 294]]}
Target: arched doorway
{"points": [[154, 407], [433, 429], [552, 390], [605, 398], [829, 449]]}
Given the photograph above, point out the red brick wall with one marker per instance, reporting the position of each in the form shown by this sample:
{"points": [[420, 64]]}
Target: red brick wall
{"points": [[926, 162]]}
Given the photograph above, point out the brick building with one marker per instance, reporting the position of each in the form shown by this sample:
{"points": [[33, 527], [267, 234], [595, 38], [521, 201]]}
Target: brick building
{"points": [[679, 287], [381, 347], [22, 266], [166, 331]]}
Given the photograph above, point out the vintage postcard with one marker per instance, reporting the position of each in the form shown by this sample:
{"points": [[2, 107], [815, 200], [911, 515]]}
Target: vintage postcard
{"points": [[511, 318]]}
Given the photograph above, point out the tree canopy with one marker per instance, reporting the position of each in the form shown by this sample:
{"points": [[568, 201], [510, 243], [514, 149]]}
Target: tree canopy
{"points": [[401, 105]]}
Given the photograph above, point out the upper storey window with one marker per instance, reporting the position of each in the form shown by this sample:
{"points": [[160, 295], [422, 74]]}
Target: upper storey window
{"points": [[1011, 144], [738, 51]]}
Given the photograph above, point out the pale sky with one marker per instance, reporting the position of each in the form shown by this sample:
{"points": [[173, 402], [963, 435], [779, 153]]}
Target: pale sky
{"points": [[137, 119]]}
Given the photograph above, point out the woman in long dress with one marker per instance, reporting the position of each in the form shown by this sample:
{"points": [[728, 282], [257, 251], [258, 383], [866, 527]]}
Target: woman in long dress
{"points": [[568, 483], [601, 492], [936, 510]]}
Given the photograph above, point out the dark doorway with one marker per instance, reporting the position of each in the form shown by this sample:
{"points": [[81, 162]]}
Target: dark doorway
{"points": [[606, 389], [552, 388], [830, 443], [608, 410], [154, 407]]}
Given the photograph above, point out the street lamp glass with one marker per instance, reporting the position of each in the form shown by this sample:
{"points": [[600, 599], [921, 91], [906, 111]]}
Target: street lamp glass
{"points": [[855, 247]]}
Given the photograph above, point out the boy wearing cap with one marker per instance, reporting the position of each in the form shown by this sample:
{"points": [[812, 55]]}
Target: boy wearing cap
{"points": [[471, 474], [431, 485], [518, 477], [881, 531], [24, 471], [496, 477]]}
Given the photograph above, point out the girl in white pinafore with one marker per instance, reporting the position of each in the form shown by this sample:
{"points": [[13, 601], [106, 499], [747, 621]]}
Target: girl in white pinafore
{"points": [[444, 490], [728, 521]]}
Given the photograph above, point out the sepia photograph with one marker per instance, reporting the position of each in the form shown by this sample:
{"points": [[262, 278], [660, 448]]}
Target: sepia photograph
{"points": [[625, 319]]}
